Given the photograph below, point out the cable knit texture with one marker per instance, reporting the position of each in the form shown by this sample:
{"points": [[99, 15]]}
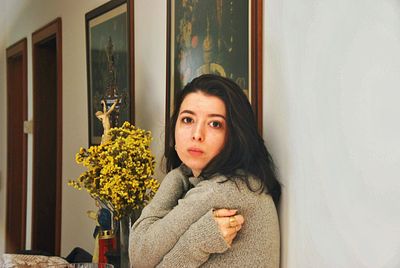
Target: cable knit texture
{"points": [[177, 228]]}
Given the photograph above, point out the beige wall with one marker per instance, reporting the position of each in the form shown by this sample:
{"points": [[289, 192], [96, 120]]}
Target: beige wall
{"points": [[330, 119]]}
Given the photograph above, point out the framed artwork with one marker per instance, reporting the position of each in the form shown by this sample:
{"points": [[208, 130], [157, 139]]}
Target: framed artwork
{"points": [[223, 37], [110, 70]]}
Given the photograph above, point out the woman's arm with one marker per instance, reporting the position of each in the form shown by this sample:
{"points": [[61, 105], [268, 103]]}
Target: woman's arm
{"points": [[159, 228], [173, 187], [196, 244]]}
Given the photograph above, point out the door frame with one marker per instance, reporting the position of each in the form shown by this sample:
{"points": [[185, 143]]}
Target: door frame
{"points": [[18, 49], [49, 31]]}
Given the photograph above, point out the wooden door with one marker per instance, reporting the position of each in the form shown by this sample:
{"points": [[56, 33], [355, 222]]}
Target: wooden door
{"points": [[47, 138], [16, 146]]}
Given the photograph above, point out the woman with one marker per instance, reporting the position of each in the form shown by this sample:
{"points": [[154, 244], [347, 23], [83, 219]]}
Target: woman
{"points": [[217, 205]]}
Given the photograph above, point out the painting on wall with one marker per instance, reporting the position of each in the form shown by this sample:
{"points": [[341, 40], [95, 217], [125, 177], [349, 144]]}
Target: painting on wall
{"points": [[222, 37], [109, 52]]}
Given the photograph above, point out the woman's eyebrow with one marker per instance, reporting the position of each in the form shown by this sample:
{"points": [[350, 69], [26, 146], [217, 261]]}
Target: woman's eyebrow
{"points": [[209, 115], [217, 115], [187, 111]]}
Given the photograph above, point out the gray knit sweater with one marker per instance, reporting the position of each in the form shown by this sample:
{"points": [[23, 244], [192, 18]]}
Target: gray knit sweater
{"points": [[177, 228]]}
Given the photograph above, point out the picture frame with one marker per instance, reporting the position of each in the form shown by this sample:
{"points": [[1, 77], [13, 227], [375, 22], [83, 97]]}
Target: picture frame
{"points": [[215, 36], [110, 66]]}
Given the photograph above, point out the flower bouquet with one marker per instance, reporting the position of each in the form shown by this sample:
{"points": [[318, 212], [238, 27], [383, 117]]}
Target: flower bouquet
{"points": [[120, 171]]}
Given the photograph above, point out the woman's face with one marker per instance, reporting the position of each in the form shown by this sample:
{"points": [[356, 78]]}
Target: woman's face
{"points": [[200, 130]]}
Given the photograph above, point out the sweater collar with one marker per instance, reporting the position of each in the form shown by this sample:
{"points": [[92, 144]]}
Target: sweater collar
{"points": [[187, 172]]}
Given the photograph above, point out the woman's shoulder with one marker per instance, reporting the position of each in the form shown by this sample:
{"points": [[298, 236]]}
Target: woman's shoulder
{"points": [[178, 177], [240, 181], [240, 188], [178, 172]]}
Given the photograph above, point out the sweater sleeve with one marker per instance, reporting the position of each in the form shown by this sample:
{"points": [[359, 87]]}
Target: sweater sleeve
{"points": [[196, 244], [162, 223], [141, 240]]}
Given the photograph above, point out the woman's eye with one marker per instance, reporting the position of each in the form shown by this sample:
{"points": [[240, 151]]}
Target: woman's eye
{"points": [[187, 120], [215, 124]]}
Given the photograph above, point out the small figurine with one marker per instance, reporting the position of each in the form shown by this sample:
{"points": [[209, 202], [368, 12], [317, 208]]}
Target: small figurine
{"points": [[103, 220], [104, 117]]}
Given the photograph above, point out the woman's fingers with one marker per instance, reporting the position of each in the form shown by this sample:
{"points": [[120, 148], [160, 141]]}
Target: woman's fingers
{"points": [[224, 212], [228, 231], [228, 234], [233, 221], [228, 223]]}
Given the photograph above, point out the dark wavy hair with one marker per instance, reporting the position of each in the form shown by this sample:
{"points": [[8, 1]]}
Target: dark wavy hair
{"points": [[244, 147]]}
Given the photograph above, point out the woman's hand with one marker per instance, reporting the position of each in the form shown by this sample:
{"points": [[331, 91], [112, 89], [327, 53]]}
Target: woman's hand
{"points": [[228, 223]]}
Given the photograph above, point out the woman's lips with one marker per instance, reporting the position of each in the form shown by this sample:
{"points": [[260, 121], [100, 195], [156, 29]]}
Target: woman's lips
{"points": [[195, 151]]}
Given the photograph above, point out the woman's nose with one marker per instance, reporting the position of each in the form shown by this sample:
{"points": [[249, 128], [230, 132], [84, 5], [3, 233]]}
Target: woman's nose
{"points": [[198, 133]]}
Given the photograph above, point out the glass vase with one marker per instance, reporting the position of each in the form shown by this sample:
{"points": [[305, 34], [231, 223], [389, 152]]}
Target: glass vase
{"points": [[125, 225]]}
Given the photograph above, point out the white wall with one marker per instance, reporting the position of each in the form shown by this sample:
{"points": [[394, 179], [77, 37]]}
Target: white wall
{"points": [[330, 120], [7, 12], [23, 18], [150, 68], [3, 116]]}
